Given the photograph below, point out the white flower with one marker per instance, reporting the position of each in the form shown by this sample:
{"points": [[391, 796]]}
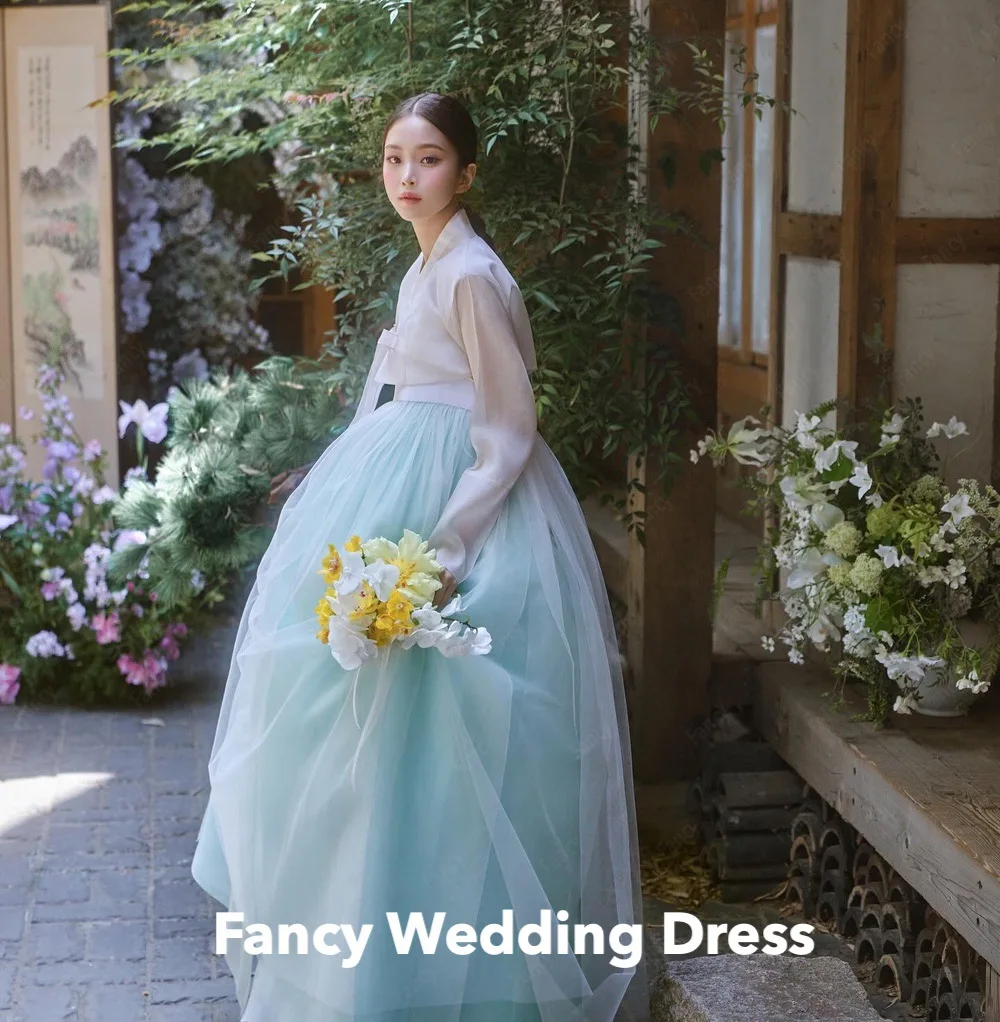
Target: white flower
{"points": [[767, 642], [971, 681], [874, 499], [892, 429], [742, 442], [911, 668], [694, 456], [854, 618], [481, 643], [861, 478], [349, 647], [381, 577], [891, 557], [152, 422], [809, 564], [801, 492], [823, 629], [951, 429], [954, 573], [805, 426], [795, 656], [958, 508], [904, 704], [352, 572], [827, 457], [197, 581], [6, 521]]}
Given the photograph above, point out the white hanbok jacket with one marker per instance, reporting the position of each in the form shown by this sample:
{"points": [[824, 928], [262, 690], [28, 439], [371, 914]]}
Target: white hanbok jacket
{"points": [[460, 316]]}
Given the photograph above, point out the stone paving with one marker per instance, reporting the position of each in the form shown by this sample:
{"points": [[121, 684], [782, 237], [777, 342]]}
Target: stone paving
{"points": [[100, 920]]}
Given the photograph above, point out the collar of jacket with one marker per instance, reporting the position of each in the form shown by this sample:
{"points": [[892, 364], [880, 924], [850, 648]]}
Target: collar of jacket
{"points": [[458, 229]]}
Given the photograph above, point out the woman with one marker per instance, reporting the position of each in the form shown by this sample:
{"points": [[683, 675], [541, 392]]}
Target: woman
{"points": [[476, 785]]}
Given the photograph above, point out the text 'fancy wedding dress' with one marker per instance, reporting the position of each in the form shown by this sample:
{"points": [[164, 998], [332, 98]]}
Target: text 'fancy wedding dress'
{"points": [[485, 783]]}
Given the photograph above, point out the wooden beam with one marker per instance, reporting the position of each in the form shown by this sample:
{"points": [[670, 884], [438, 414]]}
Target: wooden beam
{"points": [[930, 808], [872, 134], [6, 324], [812, 235], [947, 240], [746, 242], [995, 460], [991, 995], [670, 578], [779, 201]]}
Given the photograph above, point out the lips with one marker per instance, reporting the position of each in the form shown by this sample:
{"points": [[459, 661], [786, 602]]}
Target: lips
{"points": [[409, 197]]}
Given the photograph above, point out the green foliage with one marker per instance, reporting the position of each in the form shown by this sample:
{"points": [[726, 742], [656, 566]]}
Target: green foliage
{"points": [[312, 84], [229, 436]]}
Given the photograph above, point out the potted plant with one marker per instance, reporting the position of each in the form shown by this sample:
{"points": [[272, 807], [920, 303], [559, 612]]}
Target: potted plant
{"points": [[882, 564]]}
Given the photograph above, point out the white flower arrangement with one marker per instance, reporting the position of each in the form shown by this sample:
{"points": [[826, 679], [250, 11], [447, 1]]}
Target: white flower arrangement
{"points": [[878, 555], [379, 592]]}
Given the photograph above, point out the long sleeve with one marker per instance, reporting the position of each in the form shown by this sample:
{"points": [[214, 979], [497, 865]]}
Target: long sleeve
{"points": [[502, 423]]}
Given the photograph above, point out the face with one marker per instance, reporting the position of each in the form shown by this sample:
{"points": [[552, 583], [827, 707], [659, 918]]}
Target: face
{"points": [[419, 160]]}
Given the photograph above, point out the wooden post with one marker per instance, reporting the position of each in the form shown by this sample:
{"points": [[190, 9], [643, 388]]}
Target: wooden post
{"points": [[872, 137], [6, 337], [670, 580], [991, 1003]]}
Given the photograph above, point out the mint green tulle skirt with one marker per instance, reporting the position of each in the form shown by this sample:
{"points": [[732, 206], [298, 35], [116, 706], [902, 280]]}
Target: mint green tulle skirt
{"points": [[485, 784]]}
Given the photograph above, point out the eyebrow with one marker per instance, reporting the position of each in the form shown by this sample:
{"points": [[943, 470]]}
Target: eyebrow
{"points": [[423, 145]]}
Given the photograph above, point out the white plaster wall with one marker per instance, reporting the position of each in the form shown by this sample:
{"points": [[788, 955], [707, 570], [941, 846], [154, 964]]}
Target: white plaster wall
{"points": [[816, 128], [950, 159], [811, 325], [945, 351]]}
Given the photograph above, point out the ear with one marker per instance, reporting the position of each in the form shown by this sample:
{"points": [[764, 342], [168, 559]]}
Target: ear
{"points": [[468, 175]]}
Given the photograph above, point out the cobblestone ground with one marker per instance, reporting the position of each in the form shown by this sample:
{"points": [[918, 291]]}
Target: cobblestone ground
{"points": [[100, 920]]}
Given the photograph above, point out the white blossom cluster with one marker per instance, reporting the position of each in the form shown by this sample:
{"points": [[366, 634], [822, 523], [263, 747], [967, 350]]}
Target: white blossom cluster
{"points": [[931, 546]]}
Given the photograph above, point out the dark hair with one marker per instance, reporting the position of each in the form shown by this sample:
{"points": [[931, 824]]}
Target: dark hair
{"points": [[455, 122]]}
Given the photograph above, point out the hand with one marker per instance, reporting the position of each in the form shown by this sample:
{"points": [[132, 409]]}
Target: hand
{"points": [[284, 483], [447, 590]]}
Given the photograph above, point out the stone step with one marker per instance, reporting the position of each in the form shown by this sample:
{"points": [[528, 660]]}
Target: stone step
{"points": [[757, 988]]}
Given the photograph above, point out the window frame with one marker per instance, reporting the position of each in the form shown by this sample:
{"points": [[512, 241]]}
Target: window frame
{"points": [[756, 14]]}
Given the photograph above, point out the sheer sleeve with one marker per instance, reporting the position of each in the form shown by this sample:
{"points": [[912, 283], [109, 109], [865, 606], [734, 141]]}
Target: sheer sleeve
{"points": [[502, 423]]}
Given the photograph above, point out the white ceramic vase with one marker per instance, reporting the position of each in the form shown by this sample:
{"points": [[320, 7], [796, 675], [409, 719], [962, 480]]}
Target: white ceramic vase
{"points": [[936, 694]]}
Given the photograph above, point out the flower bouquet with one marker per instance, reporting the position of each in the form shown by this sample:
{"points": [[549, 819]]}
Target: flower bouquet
{"points": [[379, 592], [877, 553]]}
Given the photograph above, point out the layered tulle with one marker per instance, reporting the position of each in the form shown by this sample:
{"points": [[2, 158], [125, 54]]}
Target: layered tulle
{"points": [[484, 783]]}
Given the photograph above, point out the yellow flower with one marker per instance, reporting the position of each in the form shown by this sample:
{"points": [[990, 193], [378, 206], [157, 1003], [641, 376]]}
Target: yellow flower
{"points": [[353, 545], [398, 607], [368, 603], [331, 566], [418, 570]]}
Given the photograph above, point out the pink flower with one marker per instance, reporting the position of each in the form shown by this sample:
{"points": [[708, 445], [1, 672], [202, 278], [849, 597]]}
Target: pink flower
{"points": [[177, 629], [9, 685], [50, 590], [150, 673], [107, 628], [169, 646]]}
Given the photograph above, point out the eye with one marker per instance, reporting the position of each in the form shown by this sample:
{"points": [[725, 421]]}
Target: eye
{"points": [[434, 158]]}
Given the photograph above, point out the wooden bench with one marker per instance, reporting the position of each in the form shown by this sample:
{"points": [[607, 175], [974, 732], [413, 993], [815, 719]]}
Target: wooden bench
{"points": [[924, 792]]}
